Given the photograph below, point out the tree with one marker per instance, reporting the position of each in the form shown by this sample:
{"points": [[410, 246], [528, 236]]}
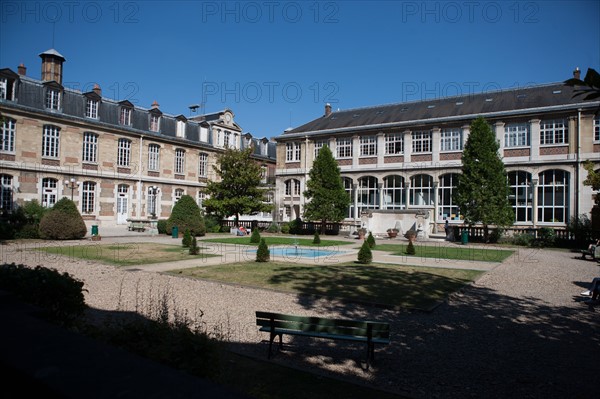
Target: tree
{"points": [[262, 253], [255, 236], [186, 216], [371, 240], [365, 255], [592, 179], [410, 248], [482, 189], [328, 200], [62, 222], [589, 86], [239, 190]]}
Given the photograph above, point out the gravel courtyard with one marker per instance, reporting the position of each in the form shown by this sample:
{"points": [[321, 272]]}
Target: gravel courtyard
{"points": [[519, 331]]}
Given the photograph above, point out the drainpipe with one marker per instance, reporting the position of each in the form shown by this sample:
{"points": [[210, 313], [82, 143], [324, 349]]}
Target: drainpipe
{"points": [[577, 162], [139, 185]]}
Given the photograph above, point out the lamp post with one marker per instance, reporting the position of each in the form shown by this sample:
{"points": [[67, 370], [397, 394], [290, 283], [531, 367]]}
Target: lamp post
{"points": [[154, 190], [72, 184]]}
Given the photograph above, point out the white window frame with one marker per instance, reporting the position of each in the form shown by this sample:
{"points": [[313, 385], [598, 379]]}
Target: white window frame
{"points": [[226, 138], [451, 140], [516, 135], [153, 157], [88, 197], [49, 192], [368, 146], [394, 192], [553, 196], [3, 88], [51, 141], [177, 194], [554, 132], [179, 161], [292, 152], [521, 195], [446, 204], [53, 99], [421, 142], [180, 128], [343, 148], [124, 152], [8, 135], [597, 128], [90, 147], [421, 194], [203, 164], [394, 143], [368, 193], [6, 192], [292, 187], [125, 116], [202, 196], [318, 146], [91, 108], [154, 123]]}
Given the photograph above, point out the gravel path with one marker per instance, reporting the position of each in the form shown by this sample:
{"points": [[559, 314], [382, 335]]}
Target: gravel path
{"points": [[519, 331]]}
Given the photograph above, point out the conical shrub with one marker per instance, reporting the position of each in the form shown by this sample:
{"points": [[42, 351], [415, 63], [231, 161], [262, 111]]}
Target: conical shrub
{"points": [[410, 249], [262, 253], [371, 240], [365, 255], [255, 236]]}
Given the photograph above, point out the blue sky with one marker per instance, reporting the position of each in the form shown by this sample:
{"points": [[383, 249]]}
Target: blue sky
{"points": [[276, 63]]}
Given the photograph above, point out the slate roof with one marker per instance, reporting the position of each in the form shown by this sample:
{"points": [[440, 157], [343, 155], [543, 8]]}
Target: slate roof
{"points": [[458, 108]]}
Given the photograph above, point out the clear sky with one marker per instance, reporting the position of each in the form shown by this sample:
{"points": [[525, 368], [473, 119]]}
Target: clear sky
{"points": [[276, 63]]}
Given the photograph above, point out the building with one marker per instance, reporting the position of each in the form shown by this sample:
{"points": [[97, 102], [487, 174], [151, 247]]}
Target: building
{"points": [[116, 160], [407, 156]]}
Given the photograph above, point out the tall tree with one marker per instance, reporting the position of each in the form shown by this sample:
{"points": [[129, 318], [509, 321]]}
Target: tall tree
{"points": [[592, 179], [482, 189], [328, 200], [239, 191]]}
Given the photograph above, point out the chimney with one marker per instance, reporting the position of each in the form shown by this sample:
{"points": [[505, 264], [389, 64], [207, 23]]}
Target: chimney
{"points": [[327, 109], [97, 89], [52, 66], [22, 69], [577, 73], [155, 105]]}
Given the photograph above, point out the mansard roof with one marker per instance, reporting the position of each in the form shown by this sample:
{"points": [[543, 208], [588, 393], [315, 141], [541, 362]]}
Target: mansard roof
{"points": [[526, 100]]}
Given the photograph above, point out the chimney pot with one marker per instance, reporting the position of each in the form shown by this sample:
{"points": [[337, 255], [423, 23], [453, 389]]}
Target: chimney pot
{"points": [[155, 105], [22, 69], [327, 109], [577, 73], [97, 89]]}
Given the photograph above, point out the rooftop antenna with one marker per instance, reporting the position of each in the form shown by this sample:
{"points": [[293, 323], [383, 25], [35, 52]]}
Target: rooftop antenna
{"points": [[53, 32], [193, 108]]}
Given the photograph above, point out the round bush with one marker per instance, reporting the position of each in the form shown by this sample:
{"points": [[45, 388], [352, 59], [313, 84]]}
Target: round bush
{"points": [[316, 239], [62, 222], [186, 216]]}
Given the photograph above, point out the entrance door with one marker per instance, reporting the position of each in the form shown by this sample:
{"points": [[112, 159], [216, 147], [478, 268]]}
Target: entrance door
{"points": [[122, 202]]}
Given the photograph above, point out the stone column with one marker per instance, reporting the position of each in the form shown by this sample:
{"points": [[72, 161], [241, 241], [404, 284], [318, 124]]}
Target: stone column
{"points": [[436, 188], [355, 150], [380, 148], [355, 195], [380, 195], [499, 130], [407, 193], [436, 136], [534, 144], [407, 146], [534, 201]]}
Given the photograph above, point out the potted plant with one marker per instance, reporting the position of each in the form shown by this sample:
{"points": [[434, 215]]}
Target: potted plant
{"points": [[411, 235], [392, 233], [362, 232]]}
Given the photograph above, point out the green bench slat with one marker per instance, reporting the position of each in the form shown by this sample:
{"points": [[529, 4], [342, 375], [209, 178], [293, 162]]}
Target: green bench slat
{"points": [[374, 339]]}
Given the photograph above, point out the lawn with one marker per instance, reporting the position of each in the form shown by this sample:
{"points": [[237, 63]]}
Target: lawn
{"points": [[125, 254], [450, 251], [392, 285], [272, 240]]}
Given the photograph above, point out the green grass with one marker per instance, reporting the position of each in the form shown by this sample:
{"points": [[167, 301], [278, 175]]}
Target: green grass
{"points": [[271, 240], [453, 252], [125, 254], [393, 285]]}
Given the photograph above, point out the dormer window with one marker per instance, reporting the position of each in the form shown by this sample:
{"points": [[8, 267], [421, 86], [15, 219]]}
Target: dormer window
{"points": [[53, 98], [181, 128], [8, 85], [125, 116], [91, 108], [3, 88], [154, 123]]}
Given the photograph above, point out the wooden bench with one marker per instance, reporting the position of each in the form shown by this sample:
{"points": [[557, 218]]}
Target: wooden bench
{"points": [[369, 332], [139, 226]]}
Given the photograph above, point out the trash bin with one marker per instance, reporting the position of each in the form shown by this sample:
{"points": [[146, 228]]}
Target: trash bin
{"points": [[175, 232], [464, 237], [94, 230]]}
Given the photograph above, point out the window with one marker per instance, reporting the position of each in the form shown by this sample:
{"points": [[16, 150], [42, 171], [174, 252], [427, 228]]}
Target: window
{"points": [[521, 196], [7, 139], [124, 152], [344, 148], [201, 198], [90, 147], [3, 88], [91, 108], [226, 139], [50, 141], [368, 193], [203, 165], [152, 200], [125, 116], [179, 161], [368, 146], [294, 185], [88, 197], [554, 132], [448, 209], [292, 152], [553, 196], [264, 147], [180, 128], [178, 194], [49, 192], [348, 188], [451, 140], [154, 123], [393, 192], [6, 199], [421, 190], [153, 157], [53, 99], [318, 146], [516, 135], [597, 128], [394, 143], [421, 141]]}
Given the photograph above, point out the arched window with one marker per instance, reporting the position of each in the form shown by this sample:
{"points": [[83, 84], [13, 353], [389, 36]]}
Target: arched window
{"points": [[448, 209], [421, 190], [368, 193], [521, 195], [393, 192], [49, 192], [553, 196], [292, 187]]}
